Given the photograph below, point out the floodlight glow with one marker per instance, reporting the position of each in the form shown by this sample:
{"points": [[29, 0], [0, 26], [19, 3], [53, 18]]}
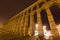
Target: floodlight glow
{"points": [[46, 37], [47, 33], [36, 32], [44, 27], [36, 25], [58, 28]]}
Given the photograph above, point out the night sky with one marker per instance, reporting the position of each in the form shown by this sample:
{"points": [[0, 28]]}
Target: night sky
{"points": [[55, 10], [9, 8]]}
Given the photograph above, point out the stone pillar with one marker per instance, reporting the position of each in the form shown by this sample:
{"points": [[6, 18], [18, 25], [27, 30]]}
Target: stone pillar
{"points": [[22, 25], [26, 25], [13, 25], [16, 25], [19, 24], [52, 23], [31, 32], [39, 21]]}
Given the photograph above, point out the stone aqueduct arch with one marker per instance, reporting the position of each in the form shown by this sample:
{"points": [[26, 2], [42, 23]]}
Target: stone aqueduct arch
{"points": [[23, 22]]}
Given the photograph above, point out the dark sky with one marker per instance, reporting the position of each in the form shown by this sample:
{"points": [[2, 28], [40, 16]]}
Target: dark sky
{"points": [[9, 8], [56, 13]]}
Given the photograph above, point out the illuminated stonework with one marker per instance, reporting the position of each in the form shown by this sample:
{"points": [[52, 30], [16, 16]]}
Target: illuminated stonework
{"points": [[24, 22]]}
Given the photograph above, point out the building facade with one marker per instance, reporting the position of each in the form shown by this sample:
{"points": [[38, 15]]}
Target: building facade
{"points": [[24, 22]]}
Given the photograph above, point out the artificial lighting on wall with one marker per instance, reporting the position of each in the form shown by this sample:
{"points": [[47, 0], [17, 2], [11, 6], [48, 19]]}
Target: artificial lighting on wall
{"points": [[47, 33]]}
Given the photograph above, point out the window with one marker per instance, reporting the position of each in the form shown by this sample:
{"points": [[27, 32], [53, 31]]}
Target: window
{"points": [[35, 18], [29, 21], [25, 13], [40, 5], [55, 10], [35, 7], [29, 10], [45, 19]]}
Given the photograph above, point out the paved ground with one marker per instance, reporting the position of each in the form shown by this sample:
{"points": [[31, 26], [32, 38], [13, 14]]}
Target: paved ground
{"points": [[9, 36], [15, 37]]}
